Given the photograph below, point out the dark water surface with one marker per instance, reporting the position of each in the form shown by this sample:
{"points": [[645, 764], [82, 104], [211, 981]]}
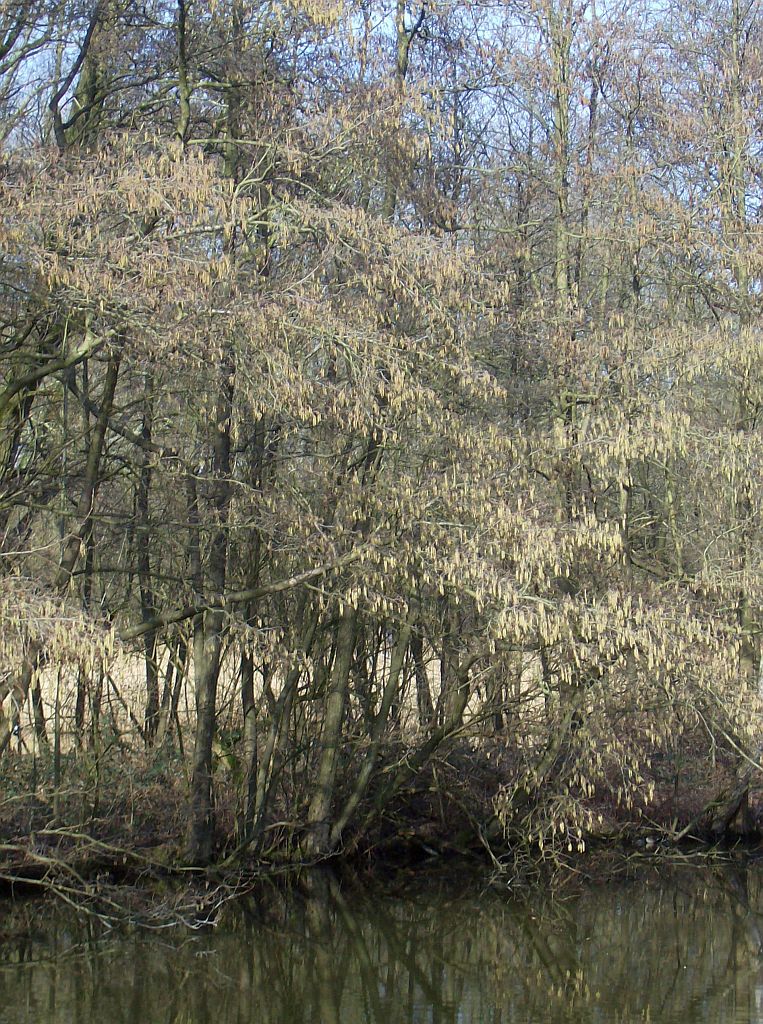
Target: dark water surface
{"points": [[678, 946]]}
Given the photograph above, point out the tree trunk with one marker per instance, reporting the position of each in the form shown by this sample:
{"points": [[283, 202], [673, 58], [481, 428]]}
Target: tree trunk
{"points": [[206, 658], [380, 721], [423, 693], [208, 626], [317, 843], [19, 691]]}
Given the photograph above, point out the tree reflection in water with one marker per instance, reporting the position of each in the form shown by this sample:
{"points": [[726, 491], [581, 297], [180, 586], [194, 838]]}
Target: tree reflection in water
{"points": [[683, 948]]}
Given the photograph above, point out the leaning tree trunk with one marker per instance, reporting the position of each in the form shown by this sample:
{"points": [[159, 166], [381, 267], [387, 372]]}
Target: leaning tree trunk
{"points": [[317, 842]]}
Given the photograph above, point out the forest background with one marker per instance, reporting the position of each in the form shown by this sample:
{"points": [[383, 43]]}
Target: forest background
{"points": [[379, 424]]}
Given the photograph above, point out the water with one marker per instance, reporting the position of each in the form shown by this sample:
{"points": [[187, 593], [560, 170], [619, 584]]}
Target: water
{"points": [[669, 947]]}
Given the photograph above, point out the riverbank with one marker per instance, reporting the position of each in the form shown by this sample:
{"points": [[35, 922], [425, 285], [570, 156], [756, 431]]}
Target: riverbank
{"points": [[110, 838]]}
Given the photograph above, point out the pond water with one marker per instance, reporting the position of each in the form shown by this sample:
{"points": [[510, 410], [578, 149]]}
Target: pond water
{"points": [[673, 946]]}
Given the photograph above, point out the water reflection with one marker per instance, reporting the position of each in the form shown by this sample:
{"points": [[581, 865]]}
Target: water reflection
{"points": [[684, 948]]}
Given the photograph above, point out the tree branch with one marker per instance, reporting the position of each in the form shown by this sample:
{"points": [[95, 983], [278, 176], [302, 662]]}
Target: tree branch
{"points": [[225, 601], [90, 345]]}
